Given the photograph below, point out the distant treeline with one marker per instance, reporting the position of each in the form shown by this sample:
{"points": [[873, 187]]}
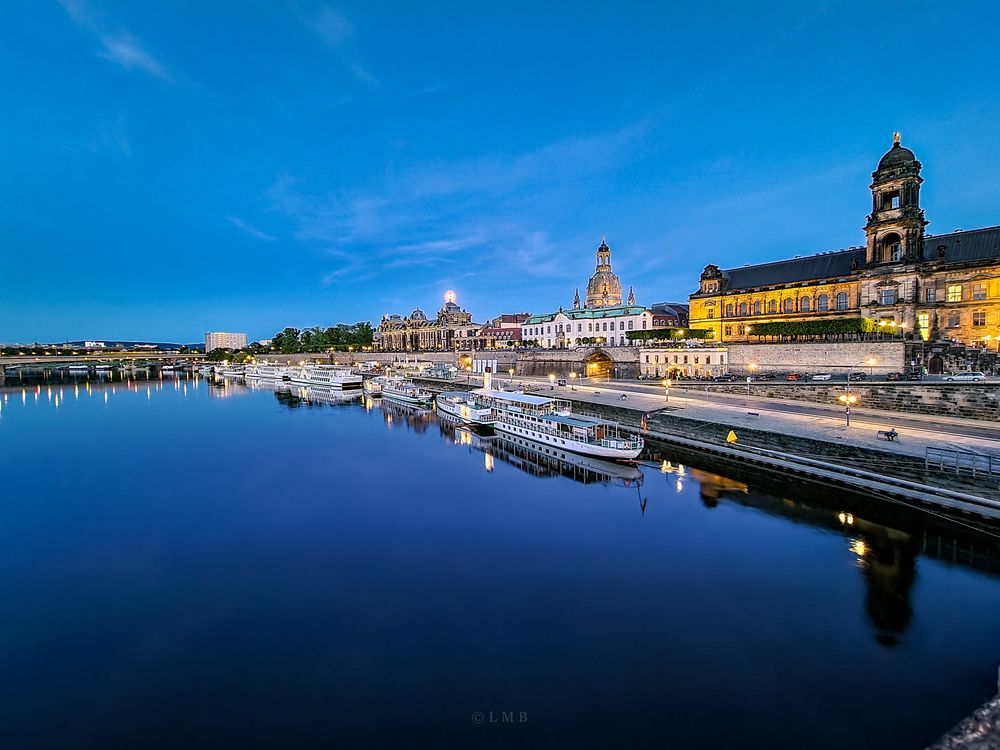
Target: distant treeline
{"points": [[341, 337]]}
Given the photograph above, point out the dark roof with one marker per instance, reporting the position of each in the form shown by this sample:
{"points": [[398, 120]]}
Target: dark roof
{"points": [[677, 309], [959, 247], [896, 156], [822, 266]]}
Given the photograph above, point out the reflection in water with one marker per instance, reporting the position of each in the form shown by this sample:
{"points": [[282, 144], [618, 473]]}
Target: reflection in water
{"points": [[882, 542], [538, 459]]}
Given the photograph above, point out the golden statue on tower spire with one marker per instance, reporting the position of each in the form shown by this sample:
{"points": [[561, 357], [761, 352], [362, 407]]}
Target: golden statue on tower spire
{"points": [[895, 137]]}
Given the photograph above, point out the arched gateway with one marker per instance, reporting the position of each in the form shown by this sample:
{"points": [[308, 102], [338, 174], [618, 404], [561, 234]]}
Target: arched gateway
{"points": [[598, 365]]}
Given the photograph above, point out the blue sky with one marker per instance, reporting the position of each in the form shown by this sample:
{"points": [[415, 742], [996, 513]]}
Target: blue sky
{"points": [[176, 167]]}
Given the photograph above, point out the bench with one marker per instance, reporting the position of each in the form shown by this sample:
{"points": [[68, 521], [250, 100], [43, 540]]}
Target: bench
{"points": [[889, 435], [753, 414]]}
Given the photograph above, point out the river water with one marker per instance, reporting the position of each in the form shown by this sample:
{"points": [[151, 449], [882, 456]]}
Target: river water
{"points": [[196, 564]]}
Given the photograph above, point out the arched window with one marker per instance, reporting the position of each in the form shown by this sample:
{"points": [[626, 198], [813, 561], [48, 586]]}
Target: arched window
{"points": [[772, 306], [729, 310], [842, 301], [789, 305], [823, 302], [757, 307], [892, 249], [804, 304], [743, 308]]}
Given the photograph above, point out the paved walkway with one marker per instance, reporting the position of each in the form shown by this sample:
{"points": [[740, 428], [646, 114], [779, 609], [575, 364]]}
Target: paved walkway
{"points": [[704, 406]]}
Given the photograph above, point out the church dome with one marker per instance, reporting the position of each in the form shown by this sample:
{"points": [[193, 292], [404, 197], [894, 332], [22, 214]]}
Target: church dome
{"points": [[897, 156], [604, 290], [418, 314]]}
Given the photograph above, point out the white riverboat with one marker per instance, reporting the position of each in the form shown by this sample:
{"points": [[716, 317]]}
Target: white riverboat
{"points": [[325, 376], [267, 372], [462, 406], [232, 371], [406, 392], [548, 421]]}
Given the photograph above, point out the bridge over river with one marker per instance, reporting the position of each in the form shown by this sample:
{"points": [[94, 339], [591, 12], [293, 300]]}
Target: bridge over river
{"points": [[94, 358]]}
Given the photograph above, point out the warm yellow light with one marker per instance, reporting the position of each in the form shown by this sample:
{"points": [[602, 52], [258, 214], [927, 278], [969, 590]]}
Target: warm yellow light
{"points": [[449, 296], [859, 548], [753, 366], [872, 361]]}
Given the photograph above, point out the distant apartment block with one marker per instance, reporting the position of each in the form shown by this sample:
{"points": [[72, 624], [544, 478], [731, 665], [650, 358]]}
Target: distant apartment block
{"points": [[223, 340]]}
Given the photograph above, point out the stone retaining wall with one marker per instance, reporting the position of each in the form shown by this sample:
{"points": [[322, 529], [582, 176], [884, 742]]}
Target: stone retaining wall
{"points": [[836, 357], [969, 400]]}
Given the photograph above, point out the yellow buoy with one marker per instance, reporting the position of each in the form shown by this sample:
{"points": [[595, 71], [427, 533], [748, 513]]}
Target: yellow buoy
{"points": [[731, 437]]}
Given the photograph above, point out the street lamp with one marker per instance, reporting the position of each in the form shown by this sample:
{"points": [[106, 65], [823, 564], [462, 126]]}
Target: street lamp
{"points": [[666, 390], [848, 398], [753, 367], [572, 379], [552, 381]]}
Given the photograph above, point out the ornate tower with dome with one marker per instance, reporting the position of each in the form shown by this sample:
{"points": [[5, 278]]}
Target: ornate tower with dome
{"points": [[604, 289]]}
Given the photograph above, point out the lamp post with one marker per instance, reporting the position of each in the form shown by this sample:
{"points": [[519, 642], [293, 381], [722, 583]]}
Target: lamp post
{"points": [[552, 381], [511, 373], [848, 398], [666, 390], [572, 379], [753, 367]]}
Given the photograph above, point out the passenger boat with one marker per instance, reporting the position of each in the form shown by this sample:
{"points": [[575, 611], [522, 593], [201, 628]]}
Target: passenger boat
{"points": [[233, 371], [79, 369], [406, 392], [325, 376], [548, 421], [267, 372], [462, 406]]}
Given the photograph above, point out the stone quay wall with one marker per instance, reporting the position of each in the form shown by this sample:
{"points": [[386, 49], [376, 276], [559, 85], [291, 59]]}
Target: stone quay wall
{"points": [[809, 358], [561, 362], [968, 400]]}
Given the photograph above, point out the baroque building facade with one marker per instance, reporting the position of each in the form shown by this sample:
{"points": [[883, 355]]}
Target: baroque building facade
{"points": [[929, 287], [451, 329], [602, 318]]}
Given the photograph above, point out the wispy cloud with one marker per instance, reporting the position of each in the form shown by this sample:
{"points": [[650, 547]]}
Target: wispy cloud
{"points": [[249, 229], [120, 46], [470, 215], [331, 25]]}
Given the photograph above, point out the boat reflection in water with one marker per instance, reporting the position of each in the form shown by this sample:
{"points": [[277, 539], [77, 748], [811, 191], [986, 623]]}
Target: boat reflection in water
{"points": [[395, 413], [538, 459]]}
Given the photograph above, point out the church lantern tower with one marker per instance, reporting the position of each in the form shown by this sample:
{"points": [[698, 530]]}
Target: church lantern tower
{"points": [[604, 288], [895, 228]]}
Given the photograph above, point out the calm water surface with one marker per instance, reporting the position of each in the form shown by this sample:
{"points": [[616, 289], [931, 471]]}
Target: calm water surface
{"points": [[190, 565]]}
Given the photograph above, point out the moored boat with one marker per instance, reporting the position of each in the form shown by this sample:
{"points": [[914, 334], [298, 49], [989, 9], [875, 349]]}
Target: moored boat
{"points": [[325, 376], [267, 372], [406, 392], [550, 421]]}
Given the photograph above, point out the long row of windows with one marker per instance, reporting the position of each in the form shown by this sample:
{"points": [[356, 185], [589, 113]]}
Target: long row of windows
{"points": [[591, 327], [805, 304], [953, 293]]}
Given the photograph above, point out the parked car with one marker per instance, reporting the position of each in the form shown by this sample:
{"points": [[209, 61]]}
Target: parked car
{"points": [[763, 376], [822, 376], [729, 378], [914, 375], [561, 381], [793, 376], [894, 376], [858, 376], [969, 376]]}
